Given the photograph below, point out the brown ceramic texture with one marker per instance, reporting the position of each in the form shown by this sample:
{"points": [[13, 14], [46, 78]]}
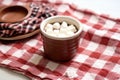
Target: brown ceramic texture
{"points": [[14, 13], [60, 49]]}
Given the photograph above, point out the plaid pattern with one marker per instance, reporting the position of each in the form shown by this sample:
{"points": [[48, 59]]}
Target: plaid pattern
{"points": [[98, 56], [39, 12]]}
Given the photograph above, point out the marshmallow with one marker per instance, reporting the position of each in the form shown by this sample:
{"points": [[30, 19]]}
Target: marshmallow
{"points": [[61, 35], [49, 30], [48, 26], [64, 24], [56, 25], [56, 31], [63, 30], [72, 28], [60, 30], [69, 33]]}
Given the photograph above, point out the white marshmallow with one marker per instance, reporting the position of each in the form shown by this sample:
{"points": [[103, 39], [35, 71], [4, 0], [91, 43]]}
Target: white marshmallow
{"points": [[49, 30], [56, 25], [72, 28], [48, 26], [61, 35], [63, 30], [69, 33], [64, 24], [56, 31]]}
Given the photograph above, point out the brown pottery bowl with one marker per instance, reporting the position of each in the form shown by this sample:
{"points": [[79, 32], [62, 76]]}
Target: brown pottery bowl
{"points": [[14, 13]]}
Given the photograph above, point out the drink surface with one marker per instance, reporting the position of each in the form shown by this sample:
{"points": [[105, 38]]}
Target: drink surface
{"points": [[62, 29]]}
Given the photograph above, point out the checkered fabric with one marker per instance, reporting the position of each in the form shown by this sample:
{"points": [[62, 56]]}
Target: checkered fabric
{"points": [[39, 12], [98, 55]]}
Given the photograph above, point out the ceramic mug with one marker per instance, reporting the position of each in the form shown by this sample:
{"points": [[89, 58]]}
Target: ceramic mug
{"points": [[60, 49]]}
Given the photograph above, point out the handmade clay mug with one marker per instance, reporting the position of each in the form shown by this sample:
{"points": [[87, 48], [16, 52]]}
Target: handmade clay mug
{"points": [[14, 13], [60, 49]]}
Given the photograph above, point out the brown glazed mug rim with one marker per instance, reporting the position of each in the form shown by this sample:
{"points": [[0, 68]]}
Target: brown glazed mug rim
{"points": [[60, 18]]}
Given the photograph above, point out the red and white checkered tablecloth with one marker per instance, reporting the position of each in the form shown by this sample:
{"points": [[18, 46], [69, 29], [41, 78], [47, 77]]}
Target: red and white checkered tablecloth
{"points": [[98, 56]]}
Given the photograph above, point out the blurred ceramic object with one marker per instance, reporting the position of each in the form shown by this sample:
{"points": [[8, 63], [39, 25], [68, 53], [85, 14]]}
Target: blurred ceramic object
{"points": [[57, 48], [14, 13]]}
